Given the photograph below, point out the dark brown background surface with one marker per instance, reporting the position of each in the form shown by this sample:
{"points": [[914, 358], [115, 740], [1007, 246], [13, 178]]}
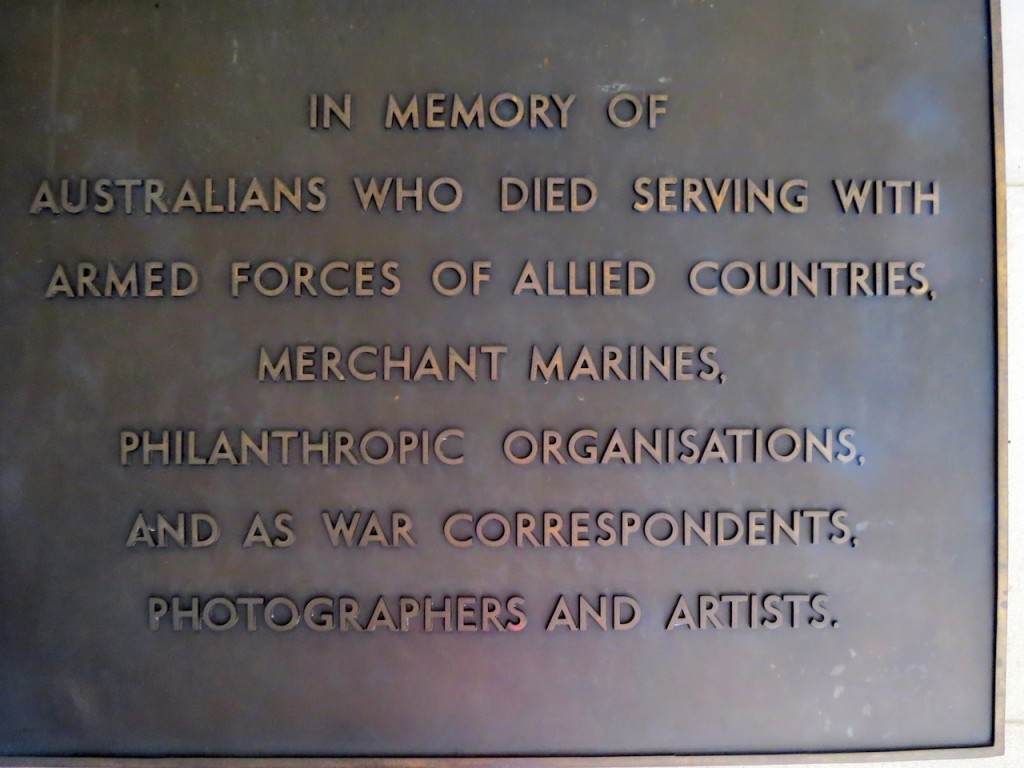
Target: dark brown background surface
{"points": [[787, 89]]}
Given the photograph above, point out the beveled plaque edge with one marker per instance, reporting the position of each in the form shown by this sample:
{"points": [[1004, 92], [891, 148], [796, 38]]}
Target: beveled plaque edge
{"points": [[1002, 383]]}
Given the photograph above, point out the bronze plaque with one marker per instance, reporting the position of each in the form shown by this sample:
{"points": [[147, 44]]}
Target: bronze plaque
{"points": [[597, 382]]}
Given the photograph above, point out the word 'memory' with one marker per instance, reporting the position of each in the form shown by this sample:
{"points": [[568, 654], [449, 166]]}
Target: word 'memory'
{"points": [[156, 196], [284, 447], [387, 362], [585, 528], [680, 445], [436, 110], [382, 613]]}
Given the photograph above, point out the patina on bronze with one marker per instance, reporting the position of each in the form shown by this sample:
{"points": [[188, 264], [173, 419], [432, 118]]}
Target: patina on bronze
{"points": [[578, 383]]}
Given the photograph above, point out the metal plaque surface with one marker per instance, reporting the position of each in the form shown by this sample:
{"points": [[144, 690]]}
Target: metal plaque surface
{"points": [[585, 382]]}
